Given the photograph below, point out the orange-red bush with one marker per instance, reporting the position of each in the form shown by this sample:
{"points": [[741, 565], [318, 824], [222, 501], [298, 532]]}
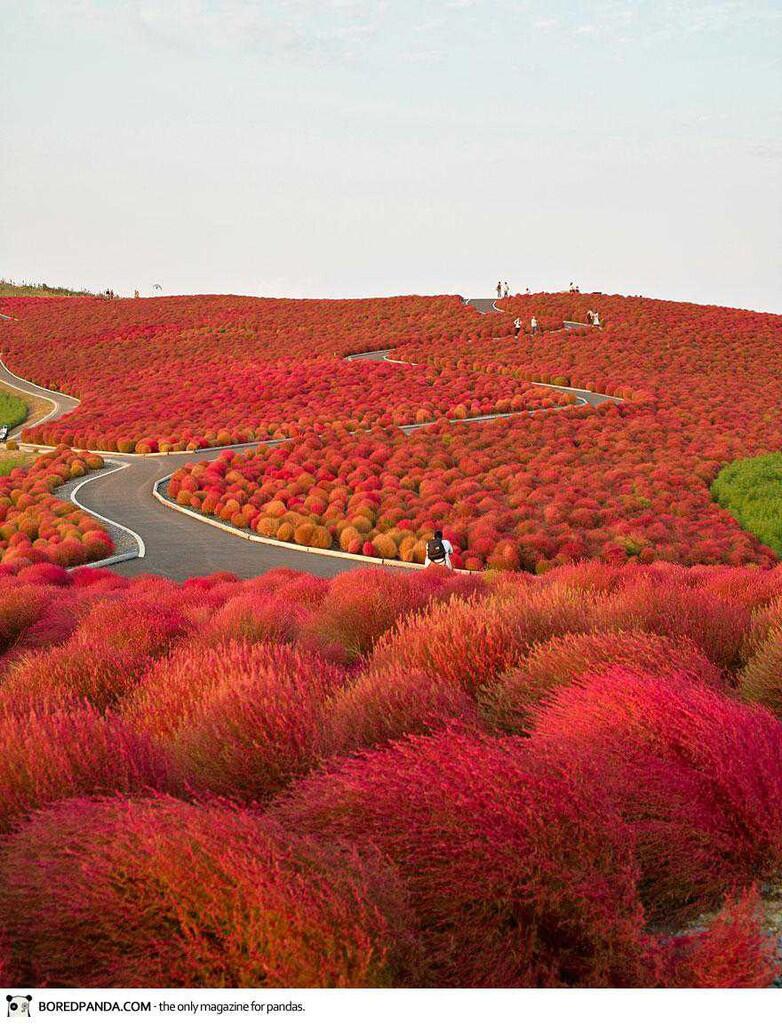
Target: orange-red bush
{"points": [[159, 893], [46, 757], [697, 774], [240, 720], [562, 660], [516, 876]]}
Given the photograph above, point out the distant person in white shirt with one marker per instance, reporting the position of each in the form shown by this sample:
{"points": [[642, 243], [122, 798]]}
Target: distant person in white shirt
{"points": [[439, 551], [517, 327], [595, 319], [533, 325], [505, 291]]}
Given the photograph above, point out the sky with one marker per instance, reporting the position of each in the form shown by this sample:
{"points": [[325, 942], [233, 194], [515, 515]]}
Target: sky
{"points": [[334, 148]]}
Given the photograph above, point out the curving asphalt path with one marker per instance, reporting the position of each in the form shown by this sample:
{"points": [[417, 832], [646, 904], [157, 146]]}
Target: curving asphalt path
{"points": [[157, 540]]}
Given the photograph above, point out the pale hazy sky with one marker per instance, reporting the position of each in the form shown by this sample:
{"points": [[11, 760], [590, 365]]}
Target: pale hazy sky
{"points": [[348, 147]]}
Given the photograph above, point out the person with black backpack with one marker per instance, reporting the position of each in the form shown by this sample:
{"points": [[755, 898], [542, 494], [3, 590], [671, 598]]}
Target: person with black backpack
{"points": [[439, 551]]}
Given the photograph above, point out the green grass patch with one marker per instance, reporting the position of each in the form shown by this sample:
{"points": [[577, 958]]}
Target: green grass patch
{"points": [[12, 462], [13, 410], [751, 490], [9, 288]]}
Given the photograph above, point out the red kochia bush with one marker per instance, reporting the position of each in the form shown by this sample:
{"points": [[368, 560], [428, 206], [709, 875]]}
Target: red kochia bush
{"points": [[561, 660], [517, 876], [472, 642], [20, 608], [67, 676], [155, 892], [734, 952], [761, 678], [256, 617], [134, 625], [363, 605], [391, 703], [240, 720], [673, 608], [696, 773], [47, 757]]}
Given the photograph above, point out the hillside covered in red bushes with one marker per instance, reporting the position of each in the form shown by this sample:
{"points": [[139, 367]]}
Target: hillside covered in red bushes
{"points": [[168, 374], [627, 482], [391, 779]]}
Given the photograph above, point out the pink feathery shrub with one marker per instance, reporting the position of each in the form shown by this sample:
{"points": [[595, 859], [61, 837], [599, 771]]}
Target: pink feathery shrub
{"points": [[158, 893], [733, 952], [391, 703], [274, 607], [67, 676], [674, 609], [45, 574], [133, 625], [240, 720], [765, 621], [761, 678], [472, 642], [752, 589], [363, 605], [21, 607], [697, 775], [256, 617], [46, 757], [563, 659], [517, 876]]}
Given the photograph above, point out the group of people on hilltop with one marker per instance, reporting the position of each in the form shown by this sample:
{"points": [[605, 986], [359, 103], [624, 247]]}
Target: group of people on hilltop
{"points": [[533, 326], [503, 290]]}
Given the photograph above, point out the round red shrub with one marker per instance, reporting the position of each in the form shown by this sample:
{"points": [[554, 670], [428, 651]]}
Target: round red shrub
{"points": [[697, 774], [517, 877], [675, 609], [157, 893], [733, 952], [472, 642], [389, 704], [50, 756], [69, 675], [563, 659], [239, 720], [761, 678], [133, 625]]}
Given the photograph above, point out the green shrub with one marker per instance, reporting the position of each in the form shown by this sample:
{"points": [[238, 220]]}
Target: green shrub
{"points": [[13, 410], [751, 490]]}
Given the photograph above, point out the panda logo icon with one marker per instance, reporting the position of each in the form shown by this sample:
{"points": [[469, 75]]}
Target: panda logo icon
{"points": [[19, 1006]]}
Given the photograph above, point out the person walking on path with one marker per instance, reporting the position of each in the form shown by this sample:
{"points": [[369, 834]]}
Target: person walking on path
{"points": [[499, 289], [438, 551], [517, 327], [506, 291], [595, 319], [533, 325]]}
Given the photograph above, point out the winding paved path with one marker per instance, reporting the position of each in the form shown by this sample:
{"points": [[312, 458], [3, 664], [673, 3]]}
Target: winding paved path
{"points": [[156, 539]]}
